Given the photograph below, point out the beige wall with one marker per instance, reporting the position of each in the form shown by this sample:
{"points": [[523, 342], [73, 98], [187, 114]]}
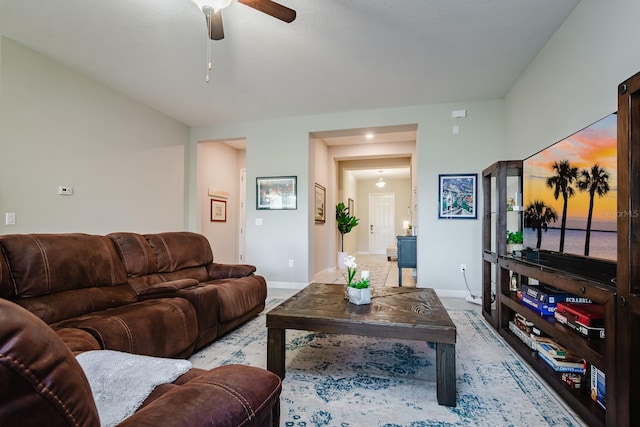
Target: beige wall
{"points": [[400, 188], [320, 248], [219, 168], [125, 162], [281, 147], [573, 80]]}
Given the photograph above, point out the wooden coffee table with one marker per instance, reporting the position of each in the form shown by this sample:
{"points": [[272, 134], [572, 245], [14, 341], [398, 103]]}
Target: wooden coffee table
{"points": [[402, 313]]}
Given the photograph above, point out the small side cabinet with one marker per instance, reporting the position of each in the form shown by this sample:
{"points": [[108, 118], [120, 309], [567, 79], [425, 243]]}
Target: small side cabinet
{"points": [[407, 256]]}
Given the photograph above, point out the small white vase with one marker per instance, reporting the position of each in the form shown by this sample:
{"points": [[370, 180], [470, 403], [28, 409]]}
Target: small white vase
{"points": [[341, 257], [512, 247], [359, 296]]}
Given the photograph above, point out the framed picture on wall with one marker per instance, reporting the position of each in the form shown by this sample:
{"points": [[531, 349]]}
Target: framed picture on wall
{"points": [[218, 210], [458, 196], [276, 193], [351, 207], [320, 205]]}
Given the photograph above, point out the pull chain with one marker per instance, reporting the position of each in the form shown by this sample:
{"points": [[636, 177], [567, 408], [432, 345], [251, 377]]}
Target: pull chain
{"points": [[208, 59], [209, 48]]}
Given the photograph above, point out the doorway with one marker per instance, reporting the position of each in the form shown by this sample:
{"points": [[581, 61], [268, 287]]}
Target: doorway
{"points": [[381, 222], [242, 217]]}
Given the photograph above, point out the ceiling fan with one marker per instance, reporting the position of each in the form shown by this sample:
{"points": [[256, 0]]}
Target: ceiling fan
{"points": [[212, 10]]}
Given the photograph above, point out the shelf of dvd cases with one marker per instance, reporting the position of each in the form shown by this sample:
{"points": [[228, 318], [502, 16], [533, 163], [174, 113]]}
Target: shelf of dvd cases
{"points": [[591, 350], [597, 352], [578, 399]]}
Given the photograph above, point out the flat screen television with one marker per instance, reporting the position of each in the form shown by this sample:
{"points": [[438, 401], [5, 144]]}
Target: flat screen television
{"points": [[582, 167]]}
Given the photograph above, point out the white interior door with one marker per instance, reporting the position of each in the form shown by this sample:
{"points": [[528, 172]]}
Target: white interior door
{"points": [[242, 216], [381, 222]]}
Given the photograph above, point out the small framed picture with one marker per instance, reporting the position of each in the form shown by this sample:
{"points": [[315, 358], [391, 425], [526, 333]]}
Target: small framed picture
{"points": [[351, 207], [218, 210], [457, 196], [276, 192], [321, 199]]}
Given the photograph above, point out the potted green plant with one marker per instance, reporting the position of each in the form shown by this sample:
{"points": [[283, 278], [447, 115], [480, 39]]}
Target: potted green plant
{"points": [[514, 241], [345, 223]]}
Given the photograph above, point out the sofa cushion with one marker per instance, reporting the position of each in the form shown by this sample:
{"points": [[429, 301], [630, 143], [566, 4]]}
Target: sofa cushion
{"points": [[163, 327], [59, 306], [179, 250], [136, 254], [205, 301], [42, 264], [239, 296], [42, 383]]}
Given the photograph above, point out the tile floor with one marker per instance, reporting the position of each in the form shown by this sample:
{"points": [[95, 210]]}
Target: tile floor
{"points": [[408, 280]]}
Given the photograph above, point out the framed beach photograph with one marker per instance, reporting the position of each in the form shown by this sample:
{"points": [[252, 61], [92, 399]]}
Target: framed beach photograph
{"points": [[276, 193], [320, 205], [458, 196], [218, 210]]}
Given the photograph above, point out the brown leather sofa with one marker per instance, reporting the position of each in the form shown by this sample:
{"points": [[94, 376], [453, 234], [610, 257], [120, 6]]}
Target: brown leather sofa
{"points": [[43, 385], [156, 294]]}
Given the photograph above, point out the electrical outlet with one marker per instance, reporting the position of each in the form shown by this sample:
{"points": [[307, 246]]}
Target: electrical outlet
{"points": [[290, 263], [463, 268]]}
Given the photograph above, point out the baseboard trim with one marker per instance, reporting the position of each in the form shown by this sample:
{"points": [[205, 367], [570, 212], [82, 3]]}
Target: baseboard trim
{"points": [[286, 285], [449, 293]]}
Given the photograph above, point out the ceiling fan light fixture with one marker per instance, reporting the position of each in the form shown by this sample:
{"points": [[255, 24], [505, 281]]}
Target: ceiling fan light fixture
{"points": [[211, 10], [216, 5]]}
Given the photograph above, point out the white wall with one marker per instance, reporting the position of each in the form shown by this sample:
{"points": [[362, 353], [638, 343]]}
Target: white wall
{"points": [[281, 147], [573, 80], [124, 161]]}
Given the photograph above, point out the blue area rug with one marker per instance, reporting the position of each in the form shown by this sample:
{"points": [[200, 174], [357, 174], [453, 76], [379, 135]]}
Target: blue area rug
{"points": [[346, 380]]}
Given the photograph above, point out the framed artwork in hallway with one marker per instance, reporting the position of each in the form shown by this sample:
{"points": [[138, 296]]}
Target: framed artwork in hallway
{"points": [[320, 205], [218, 210]]}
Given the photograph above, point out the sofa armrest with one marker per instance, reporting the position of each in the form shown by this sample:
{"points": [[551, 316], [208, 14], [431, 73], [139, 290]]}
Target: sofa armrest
{"points": [[78, 340], [167, 287], [229, 271], [229, 395]]}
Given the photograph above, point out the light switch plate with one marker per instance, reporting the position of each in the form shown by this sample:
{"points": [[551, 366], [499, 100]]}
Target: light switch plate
{"points": [[10, 218]]}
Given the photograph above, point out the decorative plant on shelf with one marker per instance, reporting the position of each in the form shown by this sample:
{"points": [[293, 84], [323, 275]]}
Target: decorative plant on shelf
{"points": [[345, 222], [514, 241], [514, 237]]}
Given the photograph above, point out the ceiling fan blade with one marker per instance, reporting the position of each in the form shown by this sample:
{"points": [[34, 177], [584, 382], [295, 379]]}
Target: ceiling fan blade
{"points": [[271, 8], [216, 32]]}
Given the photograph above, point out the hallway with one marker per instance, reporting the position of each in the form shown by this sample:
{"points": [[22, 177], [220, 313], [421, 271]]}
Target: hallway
{"points": [[382, 273]]}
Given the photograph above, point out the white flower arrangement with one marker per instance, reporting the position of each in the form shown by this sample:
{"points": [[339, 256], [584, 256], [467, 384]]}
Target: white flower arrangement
{"points": [[352, 268]]}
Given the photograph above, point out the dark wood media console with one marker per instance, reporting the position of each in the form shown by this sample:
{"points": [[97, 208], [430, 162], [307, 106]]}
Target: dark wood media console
{"points": [[614, 285]]}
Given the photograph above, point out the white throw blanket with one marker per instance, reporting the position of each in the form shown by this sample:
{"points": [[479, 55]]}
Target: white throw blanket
{"points": [[120, 382]]}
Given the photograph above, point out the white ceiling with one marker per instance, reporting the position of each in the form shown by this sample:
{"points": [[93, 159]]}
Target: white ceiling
{"points": [[338, 55]]}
